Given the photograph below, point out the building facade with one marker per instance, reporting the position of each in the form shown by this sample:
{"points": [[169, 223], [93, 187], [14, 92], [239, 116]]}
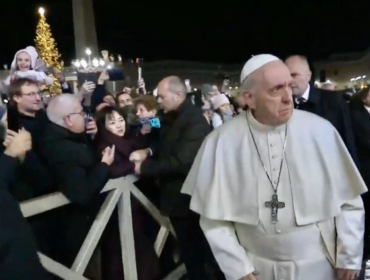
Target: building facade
{"points": [[350, 70]]}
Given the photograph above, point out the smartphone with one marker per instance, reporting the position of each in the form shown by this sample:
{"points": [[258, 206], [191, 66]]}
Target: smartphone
{"points": [[88, 116], [13, 118], [87, 77], [92, 77], [116, 75]]}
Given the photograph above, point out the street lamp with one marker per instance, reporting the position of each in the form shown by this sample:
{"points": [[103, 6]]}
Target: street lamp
{"points": [[83, 63], [41, 11], [77, 64], [95, 62], [89, 52]]}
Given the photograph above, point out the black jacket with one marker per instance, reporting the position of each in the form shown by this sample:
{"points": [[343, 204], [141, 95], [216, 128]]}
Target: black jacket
{"points": [[361, 127], [18, 253], [32, 179], [181, 136], [80, 176], [332, 107]]}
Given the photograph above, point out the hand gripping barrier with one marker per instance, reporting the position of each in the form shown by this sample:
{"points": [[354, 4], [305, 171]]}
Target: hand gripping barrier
{"points": [[120, 191]]}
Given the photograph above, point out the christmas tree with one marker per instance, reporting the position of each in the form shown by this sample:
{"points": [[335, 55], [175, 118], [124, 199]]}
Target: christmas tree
{"points": [[48, 51]]}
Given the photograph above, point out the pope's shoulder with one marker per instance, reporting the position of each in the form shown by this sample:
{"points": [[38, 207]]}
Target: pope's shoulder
{"points": [[309, 121], [301, 121]]}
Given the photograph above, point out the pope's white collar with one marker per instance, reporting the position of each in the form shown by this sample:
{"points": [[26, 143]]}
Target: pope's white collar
{"points": [[262, 127]]}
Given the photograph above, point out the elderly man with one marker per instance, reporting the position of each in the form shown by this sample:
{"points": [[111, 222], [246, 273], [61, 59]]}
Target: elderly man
{"points": [[277, 191], [183, 130], [78, 174], [327, 104]]}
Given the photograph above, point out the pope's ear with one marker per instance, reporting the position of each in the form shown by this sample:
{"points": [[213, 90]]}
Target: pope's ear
{"points": [[248, 98]]}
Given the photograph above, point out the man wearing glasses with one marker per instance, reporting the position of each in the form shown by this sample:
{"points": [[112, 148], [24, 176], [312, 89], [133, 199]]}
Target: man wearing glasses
{"points": [[31, 179], [79, 173], [25, 99]]}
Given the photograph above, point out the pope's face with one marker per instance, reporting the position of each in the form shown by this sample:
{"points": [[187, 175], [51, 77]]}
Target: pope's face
{"points": [[272, 101]]}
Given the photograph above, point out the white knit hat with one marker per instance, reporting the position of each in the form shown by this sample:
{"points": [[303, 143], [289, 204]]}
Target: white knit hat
{"points": [[255, 63], [33, 54], [219, 100]]}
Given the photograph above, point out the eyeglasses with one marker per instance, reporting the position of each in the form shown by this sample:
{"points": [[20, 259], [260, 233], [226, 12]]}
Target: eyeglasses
{"points": [[82, 113], [32, 94]]}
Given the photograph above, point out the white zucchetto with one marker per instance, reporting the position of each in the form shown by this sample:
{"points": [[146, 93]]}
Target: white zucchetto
{"points": [[255, 63]]}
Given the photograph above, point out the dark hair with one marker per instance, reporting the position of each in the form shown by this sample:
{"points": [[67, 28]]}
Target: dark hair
{"points": [[15, 88], [218, 112], [148, 101], [107, 112], [108, 94], [234, 103]]}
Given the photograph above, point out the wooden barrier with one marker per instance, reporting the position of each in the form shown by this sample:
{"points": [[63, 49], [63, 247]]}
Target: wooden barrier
{"points": [[120, 191]]}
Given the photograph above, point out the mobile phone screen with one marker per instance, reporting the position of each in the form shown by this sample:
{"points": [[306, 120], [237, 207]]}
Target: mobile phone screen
{"points": [[13, 118], [116, 75]]}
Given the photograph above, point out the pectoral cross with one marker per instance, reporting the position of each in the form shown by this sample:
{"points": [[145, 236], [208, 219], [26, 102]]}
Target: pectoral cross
{"points": [[275, 205]]}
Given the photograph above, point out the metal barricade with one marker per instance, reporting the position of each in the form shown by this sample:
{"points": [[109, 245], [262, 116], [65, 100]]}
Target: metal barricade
{"points": [[120, 191]]}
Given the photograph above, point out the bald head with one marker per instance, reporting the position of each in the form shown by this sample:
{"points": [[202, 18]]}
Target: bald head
{"points": [[175, 84], [171, 93], [61, 106], [300, 72]]}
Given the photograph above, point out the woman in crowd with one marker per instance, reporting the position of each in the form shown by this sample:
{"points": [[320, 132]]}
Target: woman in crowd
{"points": [[113, 130], [222, 110]]}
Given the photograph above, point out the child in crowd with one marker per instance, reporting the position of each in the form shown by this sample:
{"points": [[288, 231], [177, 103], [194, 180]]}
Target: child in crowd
{"points": [[223, 112], [26, 64], [146, 107]]}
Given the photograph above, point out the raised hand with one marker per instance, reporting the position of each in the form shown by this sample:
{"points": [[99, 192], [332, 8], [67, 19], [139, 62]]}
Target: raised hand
{"points": [[19, 144], [108, 155]]}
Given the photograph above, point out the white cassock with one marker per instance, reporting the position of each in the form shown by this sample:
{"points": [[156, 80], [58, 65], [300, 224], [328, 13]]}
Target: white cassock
{"points": [[322, 224]]}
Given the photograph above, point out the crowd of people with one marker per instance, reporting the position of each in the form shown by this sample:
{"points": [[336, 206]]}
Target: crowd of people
{"points": [[269, 184]]}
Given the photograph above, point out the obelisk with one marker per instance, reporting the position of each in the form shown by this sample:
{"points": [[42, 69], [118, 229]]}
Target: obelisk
{"points": [[84, 28]]}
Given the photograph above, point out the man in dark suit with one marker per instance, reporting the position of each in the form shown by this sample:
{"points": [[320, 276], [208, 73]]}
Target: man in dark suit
{"points": [[183, 130], [326, 104], [361, 123]]}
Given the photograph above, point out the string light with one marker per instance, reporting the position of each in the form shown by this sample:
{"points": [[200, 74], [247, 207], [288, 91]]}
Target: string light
{"points": [[41, 11], [48, 51]]}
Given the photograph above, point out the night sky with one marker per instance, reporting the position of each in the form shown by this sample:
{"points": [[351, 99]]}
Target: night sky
{"points": [[202, 30]]}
